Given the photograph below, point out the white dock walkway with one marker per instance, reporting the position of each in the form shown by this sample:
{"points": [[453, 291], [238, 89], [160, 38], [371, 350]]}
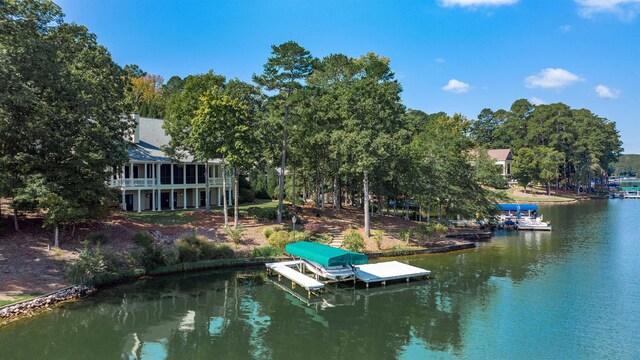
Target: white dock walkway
{"points": [[390, 270], [283, 268]]}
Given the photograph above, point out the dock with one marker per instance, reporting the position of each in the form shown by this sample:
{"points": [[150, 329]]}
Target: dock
{"points": [[386, 271], [284, 268]]}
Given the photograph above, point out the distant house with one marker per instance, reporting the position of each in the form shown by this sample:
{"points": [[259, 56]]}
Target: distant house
{"points": [[151, 180], [502, 157]]}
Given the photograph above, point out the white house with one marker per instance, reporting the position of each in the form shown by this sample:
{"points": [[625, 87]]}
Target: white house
{"points": [[503, 157], [153, 181]]}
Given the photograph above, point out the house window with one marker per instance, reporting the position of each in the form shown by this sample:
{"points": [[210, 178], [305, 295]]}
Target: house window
{"points": [[178, 174], [509, 169], [201, 172], [191, 174], [165, 174]]}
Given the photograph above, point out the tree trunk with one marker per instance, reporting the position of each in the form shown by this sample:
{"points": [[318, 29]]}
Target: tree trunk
{"points": [[15, 220], [56, 237], [225, 210], [236, 196], [429, 211], [420, 212], [207, 192], [293, 188], [367, 227], [322, 197], [282, 163], [548, 188], [395, 206], [380, 207]]}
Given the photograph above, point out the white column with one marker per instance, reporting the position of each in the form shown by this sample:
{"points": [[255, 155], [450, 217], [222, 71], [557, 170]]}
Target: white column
{"points": [[159, 202], [171, 174], [197, 173], [171, 198], [197, 193], [124, 204], [219, 196], [131, 172], [153, 199], [184, 199], [139, 201], [146, 176]]}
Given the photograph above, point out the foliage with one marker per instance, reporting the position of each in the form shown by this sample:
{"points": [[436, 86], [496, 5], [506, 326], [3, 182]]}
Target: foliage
{"points": [[264, 214], [62, 102], [353, 241], [195, 248], [268, 232], [267, 251], [97, 238], [236, 234], [486, 172], [92, 264], [143, 239], [280, 239], [627, 165], [405, 235], [378, 237]]}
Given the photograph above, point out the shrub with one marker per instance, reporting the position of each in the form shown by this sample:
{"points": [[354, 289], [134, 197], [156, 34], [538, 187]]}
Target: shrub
{"points": [[267, 233], [262, 194], [378, 237], [440, 228], [155, 256], [312, 229], [194, 248], [353, 241], [236, 234], [323, 238], [92, 265], [267, 251], [264, 214], [97, 238], [246, 195], [405, 235], [280, 239], [142, 239]]}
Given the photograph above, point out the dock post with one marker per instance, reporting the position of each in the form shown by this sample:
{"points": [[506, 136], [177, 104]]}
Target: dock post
{"points": [[384, 283], [308, 294], [367, 285], [279, 277], [407, 279], [293, 285]]}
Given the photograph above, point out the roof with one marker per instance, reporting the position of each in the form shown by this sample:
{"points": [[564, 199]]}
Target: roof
{"points": [[152, 139], [324, 255], [500, 154], [517, 207]]}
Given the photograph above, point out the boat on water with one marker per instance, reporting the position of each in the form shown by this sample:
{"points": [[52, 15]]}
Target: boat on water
{"points": [[533, 223]]}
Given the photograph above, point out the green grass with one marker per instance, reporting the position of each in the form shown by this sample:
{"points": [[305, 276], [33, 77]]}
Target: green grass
{"points": [[181, 217], [15, 299], [534, 198]]}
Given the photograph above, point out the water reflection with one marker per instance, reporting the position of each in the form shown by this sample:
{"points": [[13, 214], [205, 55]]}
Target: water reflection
{"points": [[244, 315]]}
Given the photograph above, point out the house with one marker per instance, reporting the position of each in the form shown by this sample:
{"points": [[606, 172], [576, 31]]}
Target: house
{"points": [[502, 157], [151, 180]]}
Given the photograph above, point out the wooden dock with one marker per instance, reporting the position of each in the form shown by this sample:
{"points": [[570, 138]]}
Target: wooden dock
{"points": [[285, 268], [386, 271]]}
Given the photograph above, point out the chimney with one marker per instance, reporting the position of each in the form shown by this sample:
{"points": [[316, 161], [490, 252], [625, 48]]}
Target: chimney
{"points": [[136, 133]]}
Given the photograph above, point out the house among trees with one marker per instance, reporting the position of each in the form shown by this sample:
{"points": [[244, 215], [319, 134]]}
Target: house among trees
{"points": [[502, 157], [152, 180]]}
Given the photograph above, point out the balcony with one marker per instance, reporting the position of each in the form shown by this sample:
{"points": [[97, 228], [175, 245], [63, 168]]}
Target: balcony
{"points": [[142, 183]]}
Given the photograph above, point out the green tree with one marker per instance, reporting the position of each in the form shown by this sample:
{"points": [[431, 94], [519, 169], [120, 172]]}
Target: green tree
{"points": [[524, 168], [548, 162], [61, 114], [284, 72]]}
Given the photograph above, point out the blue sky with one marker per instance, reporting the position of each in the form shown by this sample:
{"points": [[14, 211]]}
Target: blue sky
{"points": [[450, 55]]}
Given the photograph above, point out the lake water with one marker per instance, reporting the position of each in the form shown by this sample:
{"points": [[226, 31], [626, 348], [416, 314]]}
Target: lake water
{"points": [[570, 294]]}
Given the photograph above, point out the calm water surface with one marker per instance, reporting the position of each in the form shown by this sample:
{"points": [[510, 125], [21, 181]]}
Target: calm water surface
{"points": [[573, 293]]}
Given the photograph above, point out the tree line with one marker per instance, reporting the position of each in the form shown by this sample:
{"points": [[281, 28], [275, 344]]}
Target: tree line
{"points": [[552, 143]]}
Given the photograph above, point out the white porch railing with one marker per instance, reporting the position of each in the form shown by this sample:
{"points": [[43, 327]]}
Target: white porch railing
{"points": [[136, 183]]}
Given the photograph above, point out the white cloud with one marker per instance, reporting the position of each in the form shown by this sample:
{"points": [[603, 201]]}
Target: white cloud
{"points": [[440, 60], [552, 78], [456, 86], [625, 9], [566, 28], [476, 3], [537, 101], [606, 92]]}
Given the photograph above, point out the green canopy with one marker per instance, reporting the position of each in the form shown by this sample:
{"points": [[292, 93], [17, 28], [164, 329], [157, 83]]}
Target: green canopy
{"points": [[325, 255]]}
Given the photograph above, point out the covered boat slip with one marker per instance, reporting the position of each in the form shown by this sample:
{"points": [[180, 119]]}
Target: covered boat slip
{"points": [[325, 261]]}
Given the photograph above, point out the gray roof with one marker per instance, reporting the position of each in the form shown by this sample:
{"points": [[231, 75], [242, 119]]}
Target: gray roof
{"points": [[152, 140]]}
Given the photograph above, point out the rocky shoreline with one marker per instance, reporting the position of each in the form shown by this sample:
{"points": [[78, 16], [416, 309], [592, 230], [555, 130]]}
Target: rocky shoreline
{"points": [[31, 307]]}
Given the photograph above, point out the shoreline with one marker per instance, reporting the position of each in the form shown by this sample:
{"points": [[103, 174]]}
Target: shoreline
{"points": [[28, 308]]}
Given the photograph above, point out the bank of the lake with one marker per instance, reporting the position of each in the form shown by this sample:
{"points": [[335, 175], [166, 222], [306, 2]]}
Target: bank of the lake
{"points": [[571, 293]]}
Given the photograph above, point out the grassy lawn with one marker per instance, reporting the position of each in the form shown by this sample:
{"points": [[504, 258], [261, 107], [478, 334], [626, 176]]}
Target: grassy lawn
{"points": [[15, 299], [181, 217], [534, 195]]}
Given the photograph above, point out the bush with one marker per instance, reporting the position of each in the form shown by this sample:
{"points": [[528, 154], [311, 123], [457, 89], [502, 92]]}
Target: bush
{"points": [[440, 228], [262, 194], [264, 214], [405, 235], [312, 229], [280, 239], [246, 195], [235, 234], [267, 251], [97, 238], [92, 265], [378, 237], [194, 248], [267, 233], [142, 239], [323, 238], [353, 241], [155, 256]]}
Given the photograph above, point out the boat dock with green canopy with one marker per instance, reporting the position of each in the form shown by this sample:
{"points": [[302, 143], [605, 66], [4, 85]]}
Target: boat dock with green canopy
{"points": [[324, 255]]}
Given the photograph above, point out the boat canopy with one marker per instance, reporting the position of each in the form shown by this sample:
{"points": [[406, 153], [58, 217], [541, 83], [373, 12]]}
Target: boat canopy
{"points": [[324, 255], [517, 207]]}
